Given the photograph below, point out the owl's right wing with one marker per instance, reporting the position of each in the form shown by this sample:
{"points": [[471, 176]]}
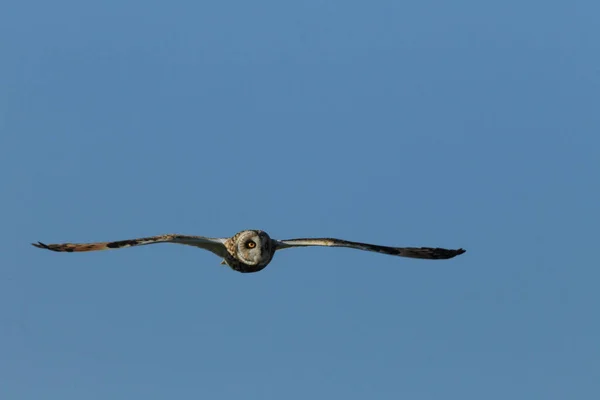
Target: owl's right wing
{"points": [[214, 245]]}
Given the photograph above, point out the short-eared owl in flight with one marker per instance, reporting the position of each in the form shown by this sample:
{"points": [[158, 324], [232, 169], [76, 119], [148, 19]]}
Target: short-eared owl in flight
{"points": [[252, 250]]}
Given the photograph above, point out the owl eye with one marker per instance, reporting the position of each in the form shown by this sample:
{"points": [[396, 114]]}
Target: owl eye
{"points": [[251, 245]]}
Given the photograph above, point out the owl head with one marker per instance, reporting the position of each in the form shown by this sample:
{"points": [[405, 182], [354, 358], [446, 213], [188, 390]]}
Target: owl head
{"points": [[250, 251]]}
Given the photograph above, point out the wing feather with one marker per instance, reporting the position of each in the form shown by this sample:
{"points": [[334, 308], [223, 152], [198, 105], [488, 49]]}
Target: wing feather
{"points": [[215, 245], [431, 253]]}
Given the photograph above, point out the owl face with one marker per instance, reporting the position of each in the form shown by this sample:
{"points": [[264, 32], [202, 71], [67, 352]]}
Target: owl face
{"points": [[254, 249]]}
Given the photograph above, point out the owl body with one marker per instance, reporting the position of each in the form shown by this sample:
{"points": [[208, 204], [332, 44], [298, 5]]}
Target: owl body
{"points": [[249, 251]]}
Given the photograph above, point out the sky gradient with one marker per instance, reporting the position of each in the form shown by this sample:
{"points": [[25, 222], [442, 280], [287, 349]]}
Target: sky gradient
{"points": [[419, 123]]}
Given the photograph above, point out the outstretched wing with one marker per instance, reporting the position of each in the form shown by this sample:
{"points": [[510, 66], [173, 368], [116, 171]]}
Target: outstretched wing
{"points": [[432, 253], [215, 245]]}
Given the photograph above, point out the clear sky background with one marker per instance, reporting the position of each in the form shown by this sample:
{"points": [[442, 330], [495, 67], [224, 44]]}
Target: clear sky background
{"points": [[422, 123]]}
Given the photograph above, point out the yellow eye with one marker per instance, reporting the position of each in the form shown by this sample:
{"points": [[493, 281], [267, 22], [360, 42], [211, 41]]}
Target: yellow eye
{"points": [[251, 245]]}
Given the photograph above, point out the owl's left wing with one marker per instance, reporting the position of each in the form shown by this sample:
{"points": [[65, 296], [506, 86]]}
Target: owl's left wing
{"points": [[431, 253], [214, 245]]}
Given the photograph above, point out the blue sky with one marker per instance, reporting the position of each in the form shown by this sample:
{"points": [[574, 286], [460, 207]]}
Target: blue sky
{"points": [[421, 123]]}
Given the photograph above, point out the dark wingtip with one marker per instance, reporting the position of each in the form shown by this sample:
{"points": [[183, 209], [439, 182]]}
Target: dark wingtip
{"points": [[41, 245], [457, 252], [445, 254]]}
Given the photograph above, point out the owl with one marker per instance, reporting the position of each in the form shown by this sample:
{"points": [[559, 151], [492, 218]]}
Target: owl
{"points": [[252, 250]]}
